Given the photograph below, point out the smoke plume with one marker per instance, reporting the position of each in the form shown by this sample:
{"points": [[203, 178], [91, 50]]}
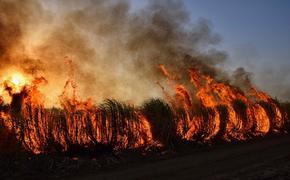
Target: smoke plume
{"points": [[115, 49]]}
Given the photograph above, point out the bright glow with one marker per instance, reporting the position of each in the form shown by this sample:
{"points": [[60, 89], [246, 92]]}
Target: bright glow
{"points": [[18, 79], [13, 81]]}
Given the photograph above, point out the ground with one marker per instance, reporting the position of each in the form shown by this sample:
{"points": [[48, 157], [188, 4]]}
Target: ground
{"points": [[266, 158]]}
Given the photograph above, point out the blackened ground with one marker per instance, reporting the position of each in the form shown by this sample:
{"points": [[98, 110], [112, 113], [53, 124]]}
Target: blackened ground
{"points": [[265, 158]]}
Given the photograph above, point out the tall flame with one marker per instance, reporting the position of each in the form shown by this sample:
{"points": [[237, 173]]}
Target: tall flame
{"points": [[212, 110]]}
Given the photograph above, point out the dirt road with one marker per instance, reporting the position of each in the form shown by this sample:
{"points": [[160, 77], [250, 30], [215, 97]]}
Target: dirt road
{"points": [[264, 159]]}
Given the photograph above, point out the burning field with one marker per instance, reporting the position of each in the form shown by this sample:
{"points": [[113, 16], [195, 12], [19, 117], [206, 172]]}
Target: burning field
{"points": [[215, 111], [151, 80]]}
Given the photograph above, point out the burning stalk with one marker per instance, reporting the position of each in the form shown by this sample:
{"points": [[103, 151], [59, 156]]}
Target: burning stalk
{"points": [[214, 110], [225, 110]]}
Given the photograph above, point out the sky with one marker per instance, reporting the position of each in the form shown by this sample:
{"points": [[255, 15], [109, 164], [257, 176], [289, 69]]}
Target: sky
{"points": [[261, 25], [255, 34]]}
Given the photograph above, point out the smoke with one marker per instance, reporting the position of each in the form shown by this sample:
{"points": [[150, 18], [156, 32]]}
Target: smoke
{"points": [[115, 50], [242, 78], [275, 81], [14, 20]]}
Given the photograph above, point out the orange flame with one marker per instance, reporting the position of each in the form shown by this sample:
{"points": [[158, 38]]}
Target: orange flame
{"points": [[212, 110]]}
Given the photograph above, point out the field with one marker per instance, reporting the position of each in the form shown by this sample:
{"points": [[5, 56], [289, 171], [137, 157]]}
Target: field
{"points": [[224, 133], [106, 89]]}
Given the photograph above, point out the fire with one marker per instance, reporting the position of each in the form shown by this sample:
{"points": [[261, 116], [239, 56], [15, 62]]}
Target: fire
{"points": [[13, 82], [16, 81], [244, 113], [210, 110]]}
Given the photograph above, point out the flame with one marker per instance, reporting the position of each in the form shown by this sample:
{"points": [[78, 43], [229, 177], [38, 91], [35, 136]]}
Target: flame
{"points": [[13, 82], [212, 109], [253, 112], [17, 81], [16, 78]]}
